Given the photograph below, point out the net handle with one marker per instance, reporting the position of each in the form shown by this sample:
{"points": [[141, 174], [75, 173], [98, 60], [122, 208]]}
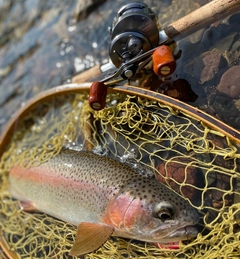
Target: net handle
{"points": [[5, 248]]}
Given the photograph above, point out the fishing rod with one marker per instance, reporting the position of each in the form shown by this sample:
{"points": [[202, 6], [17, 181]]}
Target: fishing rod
{"points": [[136, 40]]}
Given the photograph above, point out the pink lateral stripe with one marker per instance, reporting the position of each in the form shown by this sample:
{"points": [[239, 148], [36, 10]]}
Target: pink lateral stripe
{"points": [[42, 175]]}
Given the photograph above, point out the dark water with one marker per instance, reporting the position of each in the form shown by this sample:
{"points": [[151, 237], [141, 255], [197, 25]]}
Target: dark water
{"points": [[43, 43]]}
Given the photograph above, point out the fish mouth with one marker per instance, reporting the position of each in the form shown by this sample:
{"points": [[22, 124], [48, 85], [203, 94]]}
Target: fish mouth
{"points": [[185, 233]]}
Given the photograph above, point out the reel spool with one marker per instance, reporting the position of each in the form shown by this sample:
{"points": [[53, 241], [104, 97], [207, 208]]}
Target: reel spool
{"points": [[134, 32]]}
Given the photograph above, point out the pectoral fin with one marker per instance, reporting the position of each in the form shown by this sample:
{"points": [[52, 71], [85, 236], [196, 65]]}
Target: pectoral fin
{"points": [[90, 237], [27, 206]]}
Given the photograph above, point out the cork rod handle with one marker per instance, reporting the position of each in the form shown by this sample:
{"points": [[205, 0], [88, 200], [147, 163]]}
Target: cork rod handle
{"points": [[205, 15]]}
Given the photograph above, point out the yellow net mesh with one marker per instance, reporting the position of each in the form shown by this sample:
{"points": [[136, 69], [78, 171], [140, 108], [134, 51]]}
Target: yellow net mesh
{"points": [[194, 160]]}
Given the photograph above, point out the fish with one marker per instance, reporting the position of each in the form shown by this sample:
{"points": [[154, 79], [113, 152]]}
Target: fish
{"points": [[103, 197]]}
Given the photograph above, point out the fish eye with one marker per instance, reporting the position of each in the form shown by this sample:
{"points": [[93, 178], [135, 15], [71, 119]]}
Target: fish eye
{"points": [[163, 211], [165, 214]]}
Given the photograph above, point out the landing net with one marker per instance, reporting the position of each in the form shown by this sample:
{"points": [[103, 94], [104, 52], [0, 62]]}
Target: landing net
{"points": [[198, 162]]}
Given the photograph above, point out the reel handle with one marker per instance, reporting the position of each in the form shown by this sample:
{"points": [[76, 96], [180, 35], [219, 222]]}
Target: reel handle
{"points": [[205, 15], [164, 63], [97, 96]]}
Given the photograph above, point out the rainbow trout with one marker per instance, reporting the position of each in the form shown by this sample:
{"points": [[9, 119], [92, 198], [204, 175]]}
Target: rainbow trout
{"points": [[103, 197]]}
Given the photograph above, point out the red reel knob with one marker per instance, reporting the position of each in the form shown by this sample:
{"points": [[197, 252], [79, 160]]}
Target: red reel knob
{"points": [[97, 96], [164, 63]]}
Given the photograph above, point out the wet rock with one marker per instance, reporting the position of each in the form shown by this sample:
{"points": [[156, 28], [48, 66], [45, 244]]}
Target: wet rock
{"points": [[226, 43], [181, 177], [230, 82], [213, 35], [232, 57], [207, 66], [196, 36], [8, 94], [219, 197], [224, 108], [84, 7], [37, 47], [179, 89], [174, 11], [234, 19], [237, 104]]}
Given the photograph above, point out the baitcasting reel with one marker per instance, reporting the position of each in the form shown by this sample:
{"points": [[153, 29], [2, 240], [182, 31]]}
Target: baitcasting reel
{"points": [[134, 32], [135, 39]]}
